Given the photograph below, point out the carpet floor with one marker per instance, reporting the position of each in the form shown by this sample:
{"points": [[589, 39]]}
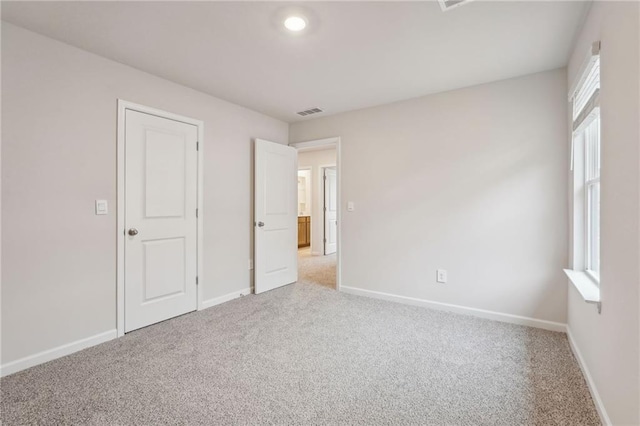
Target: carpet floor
{"points": [[319, 270], [304, 354]]}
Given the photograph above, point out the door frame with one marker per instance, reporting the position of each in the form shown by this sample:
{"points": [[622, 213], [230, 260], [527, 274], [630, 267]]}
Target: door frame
{"points": [[123, 106], [324, 204], [318, 145]]}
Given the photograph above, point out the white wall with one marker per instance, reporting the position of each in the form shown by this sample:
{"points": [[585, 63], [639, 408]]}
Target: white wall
{"points": [[59, 155], [609, 343], [473, 181], [316, 160]]}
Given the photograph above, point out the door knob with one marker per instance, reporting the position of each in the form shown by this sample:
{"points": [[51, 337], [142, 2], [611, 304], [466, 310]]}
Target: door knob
{"points": [[260, 224], [133, 232]]}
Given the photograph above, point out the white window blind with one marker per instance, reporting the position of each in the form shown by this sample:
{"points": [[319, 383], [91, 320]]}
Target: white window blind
{"points": [[583, 100]]}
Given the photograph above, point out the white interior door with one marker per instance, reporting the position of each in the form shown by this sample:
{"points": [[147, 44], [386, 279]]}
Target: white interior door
{"points": [[276, 217], [161, 178], [330, 210]]}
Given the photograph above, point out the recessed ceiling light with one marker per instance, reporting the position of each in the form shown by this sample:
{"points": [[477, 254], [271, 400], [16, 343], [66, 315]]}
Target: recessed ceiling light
{"points": [[295, 23]]}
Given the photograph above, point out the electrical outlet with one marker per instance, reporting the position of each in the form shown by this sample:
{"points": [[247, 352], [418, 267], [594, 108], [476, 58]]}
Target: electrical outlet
{"points": [[441, 275]]}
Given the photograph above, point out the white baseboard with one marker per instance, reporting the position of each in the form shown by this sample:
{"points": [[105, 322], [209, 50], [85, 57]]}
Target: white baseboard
{"points": [[60, 351], [69, 348], [496, 316], [604, 417], [218, 300]]}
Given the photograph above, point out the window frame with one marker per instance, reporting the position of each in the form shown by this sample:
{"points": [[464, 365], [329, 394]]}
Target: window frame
{"points": [[591, 182], [584, 99]]}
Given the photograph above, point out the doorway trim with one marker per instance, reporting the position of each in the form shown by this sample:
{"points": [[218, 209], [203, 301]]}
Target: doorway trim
{"points": [[123, 106], [318, 145]]}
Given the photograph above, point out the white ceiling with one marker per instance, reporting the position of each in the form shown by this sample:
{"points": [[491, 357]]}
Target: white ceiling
{"points": [[352, 55]]}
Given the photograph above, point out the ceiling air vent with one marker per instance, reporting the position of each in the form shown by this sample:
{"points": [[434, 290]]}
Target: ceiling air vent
{"points": [[309, 112], [451, 4]]}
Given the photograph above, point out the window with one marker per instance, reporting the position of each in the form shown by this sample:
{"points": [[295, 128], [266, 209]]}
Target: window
{"points": [[592, 197], [586, 168]]}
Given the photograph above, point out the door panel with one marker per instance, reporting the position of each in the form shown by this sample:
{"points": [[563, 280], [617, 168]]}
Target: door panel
{"points": [[276, 236], [302, 233], [163, 268], [161, 177], [277, 196], [165, 174], [330, 211]]}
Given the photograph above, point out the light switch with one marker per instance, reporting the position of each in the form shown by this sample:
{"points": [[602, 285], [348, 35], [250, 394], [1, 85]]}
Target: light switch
{"points": [[350, 206], [101, 207]]}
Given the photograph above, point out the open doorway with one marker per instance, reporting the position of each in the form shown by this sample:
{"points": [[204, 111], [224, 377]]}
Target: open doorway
{"points": [[318, 201]]}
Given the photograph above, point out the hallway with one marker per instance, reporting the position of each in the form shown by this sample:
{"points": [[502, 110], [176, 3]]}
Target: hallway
{"points": [[320, 270]]}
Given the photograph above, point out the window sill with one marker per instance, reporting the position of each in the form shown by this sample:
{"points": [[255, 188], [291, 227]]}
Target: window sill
{"points": [[585, 285]]}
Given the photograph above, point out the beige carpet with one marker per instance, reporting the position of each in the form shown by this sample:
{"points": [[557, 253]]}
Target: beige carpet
{"points": [[306, 355], [319, 270]]}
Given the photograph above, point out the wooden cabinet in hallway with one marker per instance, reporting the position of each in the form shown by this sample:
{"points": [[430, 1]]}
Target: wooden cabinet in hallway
{"points": [[304, 231]]}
